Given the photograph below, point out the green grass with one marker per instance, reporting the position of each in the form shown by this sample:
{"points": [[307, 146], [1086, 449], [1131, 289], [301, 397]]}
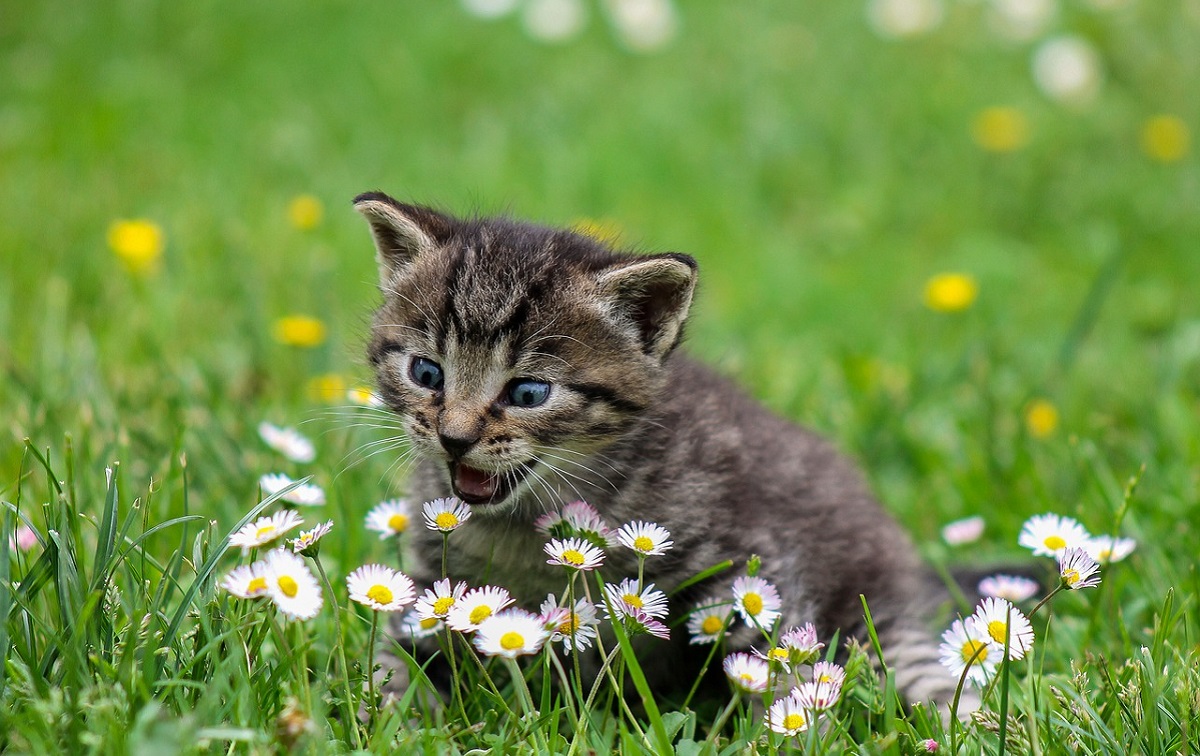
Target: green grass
{"points": [[819, 173]]}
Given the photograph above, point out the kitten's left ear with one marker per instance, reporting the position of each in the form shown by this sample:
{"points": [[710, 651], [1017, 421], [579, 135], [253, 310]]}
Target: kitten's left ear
{"points": [[655, 294], [401, 232]]}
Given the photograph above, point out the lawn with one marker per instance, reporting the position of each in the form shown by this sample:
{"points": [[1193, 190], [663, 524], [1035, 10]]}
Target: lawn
{"points": [[958, 240]]}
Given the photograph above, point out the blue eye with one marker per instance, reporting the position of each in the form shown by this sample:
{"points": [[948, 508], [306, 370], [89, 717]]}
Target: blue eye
{"points": [[427, 373], [527, 393]]}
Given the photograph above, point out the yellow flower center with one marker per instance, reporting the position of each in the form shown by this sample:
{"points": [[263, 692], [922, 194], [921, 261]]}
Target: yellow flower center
{"points": [[139, 244], [511, 641], [442, 606], [428, 623], [633, 600], [971, 648], [380, 594], [446, 520], [289, 586], [570, 626], [643, 543], [824, 679], [1041, 418], [779, 654], [480, 613], [1055, 542], [398, 522], [997, 630], [793, 721], [1070, 577], [712, 625], [256, 584], [747, 678], [950, 292], [573, 556], [264, 531], [752, 603]]}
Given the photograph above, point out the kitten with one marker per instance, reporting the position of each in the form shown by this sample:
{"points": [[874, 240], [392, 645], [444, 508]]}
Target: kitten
{"points": [[533, 367]]}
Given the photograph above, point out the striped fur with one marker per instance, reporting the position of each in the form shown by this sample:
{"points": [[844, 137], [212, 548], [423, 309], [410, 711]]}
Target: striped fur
{"points": [[630, 426]]}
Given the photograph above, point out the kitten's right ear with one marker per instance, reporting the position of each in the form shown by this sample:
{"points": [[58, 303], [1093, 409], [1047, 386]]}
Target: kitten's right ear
{"points": [[401, 232]]}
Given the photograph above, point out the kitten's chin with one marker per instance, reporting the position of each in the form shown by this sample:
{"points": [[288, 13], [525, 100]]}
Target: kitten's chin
{"points": [[482, 489]]}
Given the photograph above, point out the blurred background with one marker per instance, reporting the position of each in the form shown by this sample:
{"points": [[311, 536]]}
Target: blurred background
{"points": [[958, 236]]}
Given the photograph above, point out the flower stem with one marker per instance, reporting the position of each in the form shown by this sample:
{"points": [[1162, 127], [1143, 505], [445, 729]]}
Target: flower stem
{"points": [[526, 702], [721, 720], [372, 702], [339, 644]]}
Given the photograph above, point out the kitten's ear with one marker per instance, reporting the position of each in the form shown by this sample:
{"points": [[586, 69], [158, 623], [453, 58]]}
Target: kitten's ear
{"points": [[401, 232], [655, 293]]}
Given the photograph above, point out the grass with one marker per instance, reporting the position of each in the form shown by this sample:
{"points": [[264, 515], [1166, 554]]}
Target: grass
{"points": [[819, 173]]}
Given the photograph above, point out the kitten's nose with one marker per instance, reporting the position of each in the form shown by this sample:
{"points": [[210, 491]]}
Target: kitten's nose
{"points": [[457, 445]]}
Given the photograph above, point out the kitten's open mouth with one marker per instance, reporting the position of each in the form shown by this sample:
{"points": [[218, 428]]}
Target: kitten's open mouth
{"points": [[479, 487]]}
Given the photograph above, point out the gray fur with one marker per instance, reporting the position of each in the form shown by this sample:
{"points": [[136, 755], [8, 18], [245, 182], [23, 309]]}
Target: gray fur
{"points": [[633, 427]]}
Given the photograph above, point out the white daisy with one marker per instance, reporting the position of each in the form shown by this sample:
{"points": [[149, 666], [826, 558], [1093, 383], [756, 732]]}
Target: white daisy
{"points": [[575, 629], [788, 716], [574, 553], [748, 674], [646, 538], [817, 696], [291, 585], [513, 633], [307, 541], [829, 674], [305, 494], [265, 529], [445, 514], [998, 618], [637, 622], [475, 606], [414, 627], [964, 531], [1009, 587], [965, 643], [757, 601], [389, 518], [1049, 534], [380, 588], [708, 622], [1078, 570], [246, 581], [440, 599], [801, 643], [1107, 549], [288, 442], [625, 597]]}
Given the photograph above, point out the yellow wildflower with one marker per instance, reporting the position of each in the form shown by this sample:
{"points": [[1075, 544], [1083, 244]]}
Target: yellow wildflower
{"points": [[1041, 418], [138, 243], [299, 331], [305, 212], [950, 292], [1000, 129], [329, 388], [1165, 138]]}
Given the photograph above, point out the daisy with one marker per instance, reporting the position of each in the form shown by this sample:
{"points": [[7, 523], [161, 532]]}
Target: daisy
{"points": [[646, 538], [475, 606], [747, 673], [575, 629], [1008, 587], [305, 494], [708, 622], [445, 514], [638, 622], [1077, 569], [389, 518], [757, 601], [829, 674], [966, 530], [1107, 549], [291, 586], [439, 600], [307, 542], [1049, 534], [965, 643], [788, 716], [415, 628], [577, 520], [999, 618], [288, 442], [817, 696], [801, 643], [574, 553], [247, 581], [380, 588], [265, 529], [510, 634], [777, 654], [625, 596]]}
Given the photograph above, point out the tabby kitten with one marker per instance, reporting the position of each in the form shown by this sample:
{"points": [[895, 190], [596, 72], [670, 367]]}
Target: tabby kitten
{"points": [[533, 367]]}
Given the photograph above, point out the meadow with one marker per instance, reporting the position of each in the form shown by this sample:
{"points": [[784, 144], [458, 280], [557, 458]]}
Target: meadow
{"points": [[958, 237]]}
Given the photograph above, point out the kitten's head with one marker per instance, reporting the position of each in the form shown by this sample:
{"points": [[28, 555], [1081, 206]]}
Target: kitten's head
{"points": [[512, 350]]}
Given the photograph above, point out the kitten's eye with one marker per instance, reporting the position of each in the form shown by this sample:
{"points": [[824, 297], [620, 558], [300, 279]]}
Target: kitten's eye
{"points": [[427, 373], [527, 393]]}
